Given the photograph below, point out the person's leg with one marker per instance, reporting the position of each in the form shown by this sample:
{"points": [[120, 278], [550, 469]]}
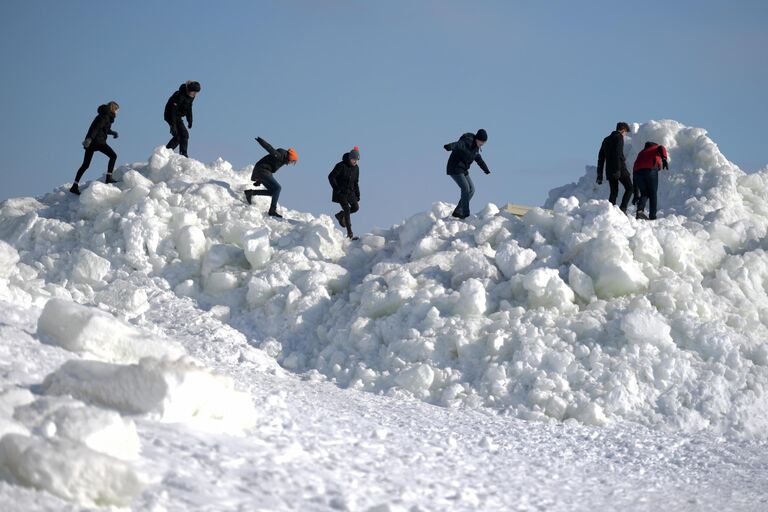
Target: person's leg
{"points": [[463, 207], [273, 189], [653, 189], [614, 186], [86, 163], [174, 142], [110, 153], [345, 220], [641, 185], [626, 182], [183, 135], [471, 193]]}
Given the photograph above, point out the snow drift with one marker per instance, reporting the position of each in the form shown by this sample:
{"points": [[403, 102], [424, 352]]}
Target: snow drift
{"points": [[578, 313]]}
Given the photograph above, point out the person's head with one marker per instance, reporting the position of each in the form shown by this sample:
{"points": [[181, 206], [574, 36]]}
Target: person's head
{"points": [[293, 156], [354, 155], [622, 127], [481, 137], [113, 107], [193, 88]]}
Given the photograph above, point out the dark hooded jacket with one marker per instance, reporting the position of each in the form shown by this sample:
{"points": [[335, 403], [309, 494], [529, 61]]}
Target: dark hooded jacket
{"points": [[611, 157], [271, 162], [344, 180], [179, 105], [463, 153], [101, 125]]}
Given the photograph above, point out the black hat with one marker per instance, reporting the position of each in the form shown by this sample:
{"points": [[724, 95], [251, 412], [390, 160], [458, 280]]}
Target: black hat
{"points": [[193, 86], [354, 154], [481, 135]]}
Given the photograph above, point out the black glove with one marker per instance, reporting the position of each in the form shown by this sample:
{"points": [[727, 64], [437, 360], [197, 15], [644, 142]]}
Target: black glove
{"points": [[447, 147], [189, 124], [87, 142], [114, 134], [664, 164], [486, 171], [599, 180]]}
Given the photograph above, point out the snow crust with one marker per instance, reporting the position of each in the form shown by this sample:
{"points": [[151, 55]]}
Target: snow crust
{"points": [[576, 313]]}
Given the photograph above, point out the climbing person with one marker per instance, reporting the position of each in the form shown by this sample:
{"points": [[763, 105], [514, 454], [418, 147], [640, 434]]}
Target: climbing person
{"points": [[264, 170], [344, 179], [96, 140], [463, 152], [178, 106], [649, 161], [611, 157]]}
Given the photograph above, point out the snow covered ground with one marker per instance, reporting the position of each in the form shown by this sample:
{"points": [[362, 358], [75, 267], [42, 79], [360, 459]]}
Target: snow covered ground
{"points": [[165, 346]]}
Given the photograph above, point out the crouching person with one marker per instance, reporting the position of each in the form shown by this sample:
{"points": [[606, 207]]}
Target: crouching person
{"points": [[264, 170]]}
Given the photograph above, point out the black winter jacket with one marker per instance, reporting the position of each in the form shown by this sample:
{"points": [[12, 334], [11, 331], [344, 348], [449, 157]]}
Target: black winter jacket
{"points": [[612, 157], [101, 126], [179, 105], [270, 163], [463, 153], [344, 180]]}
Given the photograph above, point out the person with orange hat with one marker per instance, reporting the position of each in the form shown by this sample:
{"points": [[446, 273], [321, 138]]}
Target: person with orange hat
{"points": [[263, 173], [344, 179]]}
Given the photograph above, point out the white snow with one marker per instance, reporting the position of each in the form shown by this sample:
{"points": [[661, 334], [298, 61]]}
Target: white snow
{"points": [[163, 323]]}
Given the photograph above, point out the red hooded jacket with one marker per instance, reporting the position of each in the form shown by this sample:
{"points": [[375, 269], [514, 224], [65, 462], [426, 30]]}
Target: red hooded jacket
{"points": [[653, 156]]}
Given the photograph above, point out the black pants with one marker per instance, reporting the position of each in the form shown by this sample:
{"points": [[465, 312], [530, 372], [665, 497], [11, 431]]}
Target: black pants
{"points": [[349, 205], [89, 151], [648, 182], [180, 136], [626, 182]]}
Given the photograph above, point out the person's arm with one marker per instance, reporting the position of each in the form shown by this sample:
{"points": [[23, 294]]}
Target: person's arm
{"points": [[333, 177], [357, 184], [267, 147], [621, 154], [482, 164], [189, 115], [96, 126], [174, 101], [600, 163], [450, 146], [664, 157]]}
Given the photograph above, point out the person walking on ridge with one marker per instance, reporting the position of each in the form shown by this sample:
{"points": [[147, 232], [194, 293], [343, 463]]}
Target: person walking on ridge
{"points": [[611, 157], [178, 106], [344, 179], [96, 140], [264, 170], [646, 176], [463, 152]]}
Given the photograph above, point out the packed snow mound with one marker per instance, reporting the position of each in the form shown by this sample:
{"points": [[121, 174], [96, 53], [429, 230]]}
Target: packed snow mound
{"points": [[576, 313], [175, 391]]}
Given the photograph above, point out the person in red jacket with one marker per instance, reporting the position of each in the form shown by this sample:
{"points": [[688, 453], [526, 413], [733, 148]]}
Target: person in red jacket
{"points": [[646, 176]]}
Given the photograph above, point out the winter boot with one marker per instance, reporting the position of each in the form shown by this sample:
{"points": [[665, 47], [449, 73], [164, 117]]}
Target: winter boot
{"points": [[340, 217], [273, 213], [75, 189], [248, 196], [352, 236], [109, 179], [641, 215]]}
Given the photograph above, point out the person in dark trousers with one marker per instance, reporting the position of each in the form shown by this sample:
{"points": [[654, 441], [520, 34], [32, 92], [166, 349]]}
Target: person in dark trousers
{"points": [[611, 157], [344, 179], [96, 140], [264, 170], [463, 152], [646, 176], [178, 106]]}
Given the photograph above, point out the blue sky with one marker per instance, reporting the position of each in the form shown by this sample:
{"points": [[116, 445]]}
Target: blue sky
{"points": [[547, 80]]}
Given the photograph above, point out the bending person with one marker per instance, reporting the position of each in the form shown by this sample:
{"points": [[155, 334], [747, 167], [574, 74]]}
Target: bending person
{"points": [[96, 140], [463, 152], [179, 106], [646, 176], [264, 170]]}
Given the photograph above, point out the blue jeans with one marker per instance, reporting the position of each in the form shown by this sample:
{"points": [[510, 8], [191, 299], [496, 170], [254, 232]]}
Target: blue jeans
{"points": [[467, 191], [647, 180], [273, 189]]}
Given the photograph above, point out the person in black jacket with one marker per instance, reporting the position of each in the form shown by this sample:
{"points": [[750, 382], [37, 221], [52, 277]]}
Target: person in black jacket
{"points": [[178, 106], [463, 152], [344, 179], [264, 170], [96, 140], [611, 157]]}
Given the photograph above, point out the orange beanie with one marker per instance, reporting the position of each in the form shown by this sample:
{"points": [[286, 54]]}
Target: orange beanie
{"points": [[293, 156]]}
